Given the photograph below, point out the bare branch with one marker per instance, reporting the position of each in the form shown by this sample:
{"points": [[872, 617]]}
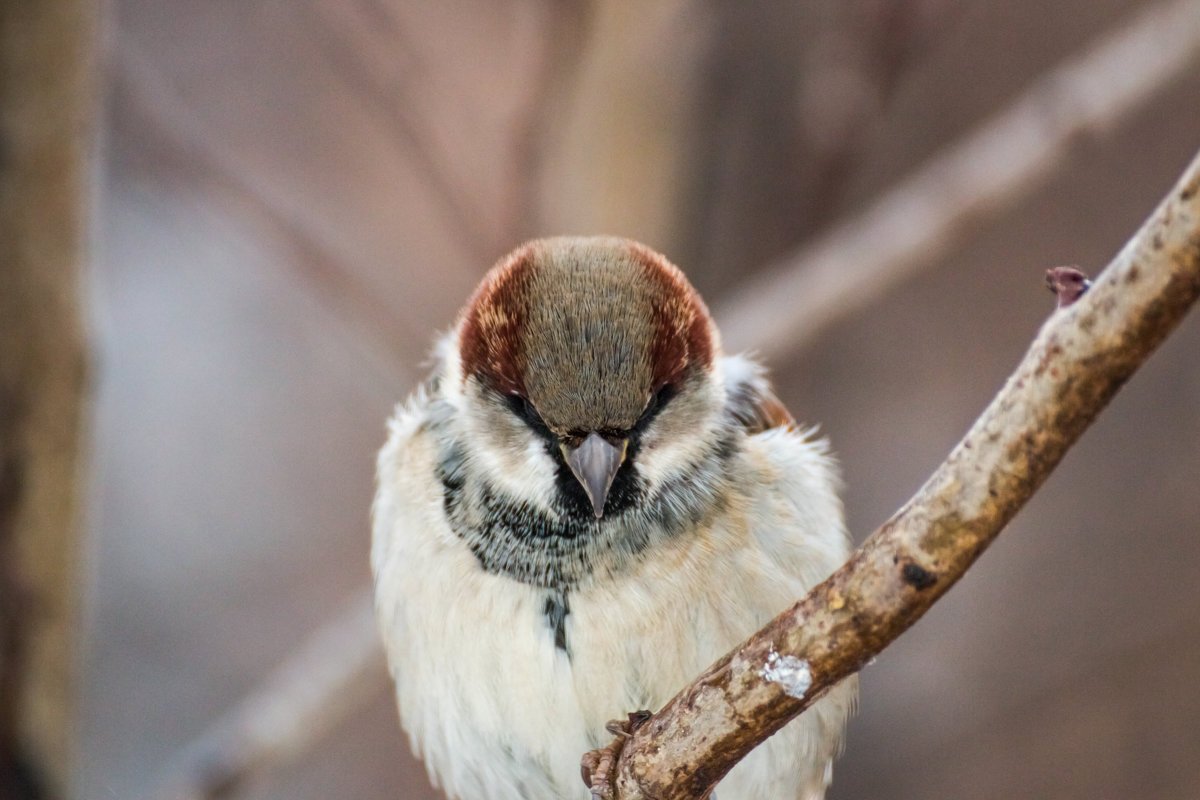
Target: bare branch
{"points": [[1082, 356], [391, 105], [336, 670], [397, 96], [365, 319], [787, 98], [1006, 158], [565, 38]]}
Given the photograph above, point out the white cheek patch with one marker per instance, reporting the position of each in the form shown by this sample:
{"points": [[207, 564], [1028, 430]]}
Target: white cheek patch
{"points": [[508, 453], [526, 473], [680, 436], [496, 443]]}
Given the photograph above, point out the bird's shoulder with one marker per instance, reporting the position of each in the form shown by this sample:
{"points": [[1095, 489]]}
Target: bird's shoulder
{"points": [[750, 397], [408, 491], [787, 473]]}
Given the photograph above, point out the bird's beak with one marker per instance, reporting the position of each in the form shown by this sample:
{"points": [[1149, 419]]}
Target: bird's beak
{"points": [[595, 463]]}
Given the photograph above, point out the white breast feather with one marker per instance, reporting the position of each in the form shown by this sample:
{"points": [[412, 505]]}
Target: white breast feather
{"points": [[498, 713]]}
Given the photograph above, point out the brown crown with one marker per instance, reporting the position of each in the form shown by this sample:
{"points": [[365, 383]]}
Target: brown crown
{"points": [[585, 328]]}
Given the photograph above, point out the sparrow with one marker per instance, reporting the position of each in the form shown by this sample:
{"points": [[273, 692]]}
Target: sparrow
{"points": [[585, 505]]}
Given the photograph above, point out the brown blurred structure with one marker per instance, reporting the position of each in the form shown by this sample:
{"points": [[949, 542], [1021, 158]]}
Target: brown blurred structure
{"points": [[47, 106], [296, 196]]}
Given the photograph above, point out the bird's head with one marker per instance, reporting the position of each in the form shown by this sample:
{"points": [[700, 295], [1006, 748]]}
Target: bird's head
{"points": [[587, 366]]}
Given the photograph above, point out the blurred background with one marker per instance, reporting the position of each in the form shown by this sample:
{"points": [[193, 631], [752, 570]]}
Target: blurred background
{"points": [[292, 198]]}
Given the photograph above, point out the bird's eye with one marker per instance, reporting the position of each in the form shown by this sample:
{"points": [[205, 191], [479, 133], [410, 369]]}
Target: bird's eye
{"points": [[657, 401], [524, 409]]}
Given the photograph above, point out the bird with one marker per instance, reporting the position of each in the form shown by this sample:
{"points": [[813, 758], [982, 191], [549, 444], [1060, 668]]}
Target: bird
{"points": [[586, 504]]}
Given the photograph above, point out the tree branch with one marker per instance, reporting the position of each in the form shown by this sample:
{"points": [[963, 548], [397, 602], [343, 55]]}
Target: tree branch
{"points": [[1084, 353], [364, 320], [567, 29], [337, 669]]}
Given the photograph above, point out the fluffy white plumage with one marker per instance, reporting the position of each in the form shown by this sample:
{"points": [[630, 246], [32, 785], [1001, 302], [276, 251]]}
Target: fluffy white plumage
{"points": [[585, 507], [498, 712]]}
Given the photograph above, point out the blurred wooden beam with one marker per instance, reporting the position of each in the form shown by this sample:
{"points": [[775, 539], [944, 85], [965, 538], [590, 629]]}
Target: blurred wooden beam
{"points": [[47, 99]]}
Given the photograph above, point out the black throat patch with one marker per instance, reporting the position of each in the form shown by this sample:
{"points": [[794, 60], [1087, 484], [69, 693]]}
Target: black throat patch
{"points": [[561, 546]]}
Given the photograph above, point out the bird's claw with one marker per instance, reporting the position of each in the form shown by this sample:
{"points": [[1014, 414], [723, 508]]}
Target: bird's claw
{"points": [[599, 767], [624, 728]]}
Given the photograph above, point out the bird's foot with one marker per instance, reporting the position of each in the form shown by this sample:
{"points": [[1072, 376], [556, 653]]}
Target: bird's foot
{"points": [[599, 767]]}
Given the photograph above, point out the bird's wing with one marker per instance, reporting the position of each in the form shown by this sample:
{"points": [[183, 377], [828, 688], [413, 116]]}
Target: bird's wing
{"points": [[751, 398]]}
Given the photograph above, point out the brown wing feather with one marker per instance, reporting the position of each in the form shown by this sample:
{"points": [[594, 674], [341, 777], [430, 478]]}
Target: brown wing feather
{"points": [[755, 405]]}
